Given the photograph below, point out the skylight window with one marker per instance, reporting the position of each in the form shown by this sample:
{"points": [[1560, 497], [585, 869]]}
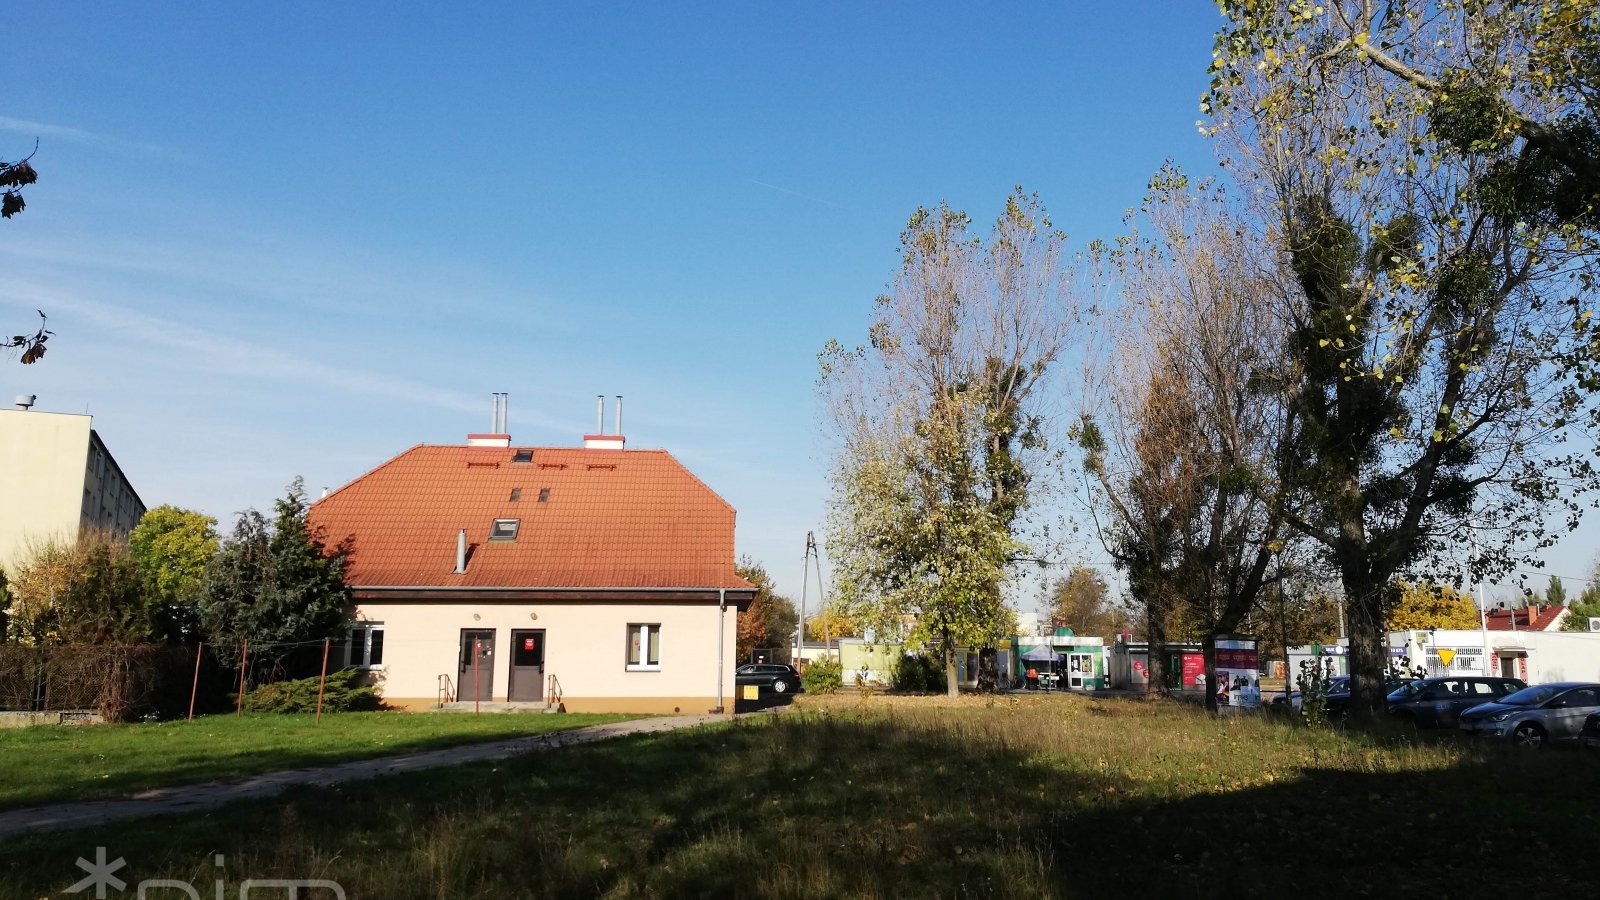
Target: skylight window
{"points": [[544, 495], [516, 494], [522, 456], [504, 529]]}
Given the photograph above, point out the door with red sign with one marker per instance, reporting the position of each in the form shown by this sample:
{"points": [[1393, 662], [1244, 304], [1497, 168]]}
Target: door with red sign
{"points": [[527, 665]]}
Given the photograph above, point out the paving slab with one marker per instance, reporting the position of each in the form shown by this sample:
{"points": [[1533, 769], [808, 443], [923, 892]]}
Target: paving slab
{"points": [[185, 798]]}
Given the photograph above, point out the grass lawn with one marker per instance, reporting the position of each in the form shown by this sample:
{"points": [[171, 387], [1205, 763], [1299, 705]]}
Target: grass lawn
{"points": [[1033, 798], [54, 763]]}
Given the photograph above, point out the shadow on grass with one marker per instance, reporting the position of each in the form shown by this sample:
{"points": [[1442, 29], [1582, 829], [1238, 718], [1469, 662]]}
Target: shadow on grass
{"points": [[834, 805]]}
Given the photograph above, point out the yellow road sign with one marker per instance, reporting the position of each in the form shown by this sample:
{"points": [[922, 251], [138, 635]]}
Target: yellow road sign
{"points": [[1445, 656]]}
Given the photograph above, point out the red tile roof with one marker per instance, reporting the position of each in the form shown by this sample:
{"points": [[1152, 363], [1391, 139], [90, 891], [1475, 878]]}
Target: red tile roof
{"points": [[611, 519], [1538, 618]]}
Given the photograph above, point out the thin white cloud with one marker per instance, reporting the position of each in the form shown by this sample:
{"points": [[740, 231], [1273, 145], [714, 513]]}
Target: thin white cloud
{"points": [[29, 128], [220, 355], [800, 195]]}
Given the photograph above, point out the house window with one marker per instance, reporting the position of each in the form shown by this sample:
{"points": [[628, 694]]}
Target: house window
{"points": [[522, 457], [504, 529], [516, 494], [363, 646], [644, 648], [544, 495]]}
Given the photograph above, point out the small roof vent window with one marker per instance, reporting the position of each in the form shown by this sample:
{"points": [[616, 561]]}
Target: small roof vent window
{"points": [[544, 495], [504, 529], [522, 456], [516, 494]]}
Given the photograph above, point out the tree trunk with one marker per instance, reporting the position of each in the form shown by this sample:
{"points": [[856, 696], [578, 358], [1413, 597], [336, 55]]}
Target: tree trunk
{"points": [[1369, 647], [1208, 649], [1156, 658], [952, 682]]}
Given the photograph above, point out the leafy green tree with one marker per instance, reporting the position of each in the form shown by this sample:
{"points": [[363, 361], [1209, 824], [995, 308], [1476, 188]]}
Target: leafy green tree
{"points": [[1427, 175], [86, 592], [173, 547], [941, 426], [274, 584], [1585, 605], [1556, 594], [771, 619]]}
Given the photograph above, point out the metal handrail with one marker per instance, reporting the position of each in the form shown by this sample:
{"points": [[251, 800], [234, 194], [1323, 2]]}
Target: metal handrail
{"points": [[447, 690], [552, 695]]}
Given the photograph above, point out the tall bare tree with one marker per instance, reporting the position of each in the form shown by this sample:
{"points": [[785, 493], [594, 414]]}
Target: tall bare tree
{"points": [[940, 422], [1182, 439]]}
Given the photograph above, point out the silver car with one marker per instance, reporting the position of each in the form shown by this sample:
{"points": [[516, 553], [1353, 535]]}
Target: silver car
{"points": [[1535, 716]]}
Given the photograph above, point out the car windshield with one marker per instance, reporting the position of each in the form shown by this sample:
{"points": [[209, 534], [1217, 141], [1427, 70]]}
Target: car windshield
{"points": [[1408, 690], [1529, 696]]}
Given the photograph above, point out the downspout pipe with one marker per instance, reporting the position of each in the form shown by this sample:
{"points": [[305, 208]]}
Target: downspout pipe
{"points": [[722, 611]]}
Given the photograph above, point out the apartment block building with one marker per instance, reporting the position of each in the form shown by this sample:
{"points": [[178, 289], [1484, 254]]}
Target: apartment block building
{"points": [[57, 478]]}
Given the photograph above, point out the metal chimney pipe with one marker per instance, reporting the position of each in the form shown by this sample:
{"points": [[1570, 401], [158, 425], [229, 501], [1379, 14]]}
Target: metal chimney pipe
{"points": [[461, 552], [505, 413], [600, 414], [618, 423]]}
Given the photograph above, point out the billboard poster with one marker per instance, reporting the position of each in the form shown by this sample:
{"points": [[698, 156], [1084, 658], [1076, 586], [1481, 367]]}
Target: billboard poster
{"points": [[1194, 670], [1238, 673]]}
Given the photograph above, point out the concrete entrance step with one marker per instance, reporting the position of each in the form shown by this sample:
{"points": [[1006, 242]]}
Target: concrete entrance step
{"points": [[495, 707]]}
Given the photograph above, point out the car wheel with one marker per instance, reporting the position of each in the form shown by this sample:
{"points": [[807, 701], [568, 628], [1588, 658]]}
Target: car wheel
{"points": [[779, 686], [1528, 735]]}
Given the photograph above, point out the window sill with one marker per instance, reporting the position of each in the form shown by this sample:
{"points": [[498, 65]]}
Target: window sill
{"points": [[654, 668]]}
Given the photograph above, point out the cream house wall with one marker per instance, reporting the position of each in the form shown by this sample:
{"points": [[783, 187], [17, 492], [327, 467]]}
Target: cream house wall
{"points": [[585, 648], [43, 461]]}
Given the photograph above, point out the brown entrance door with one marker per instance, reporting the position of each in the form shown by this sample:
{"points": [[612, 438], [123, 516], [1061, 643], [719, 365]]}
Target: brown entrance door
{"points": [[477, 665], [527, 665]]}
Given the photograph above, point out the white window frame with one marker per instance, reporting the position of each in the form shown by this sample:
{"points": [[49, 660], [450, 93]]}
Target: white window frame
{"points": [[356, 656], [643, 630]]}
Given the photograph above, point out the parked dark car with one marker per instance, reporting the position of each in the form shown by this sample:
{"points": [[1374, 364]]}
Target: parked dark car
{"points": [[1589, 737], [1439, 702], [1338, 700], [780, 679], [1535, 716]]}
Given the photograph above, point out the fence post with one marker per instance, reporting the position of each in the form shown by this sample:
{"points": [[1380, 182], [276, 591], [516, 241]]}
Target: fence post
{"points": [[194, 689], [477, 697], [244, 666], [323, 684]]}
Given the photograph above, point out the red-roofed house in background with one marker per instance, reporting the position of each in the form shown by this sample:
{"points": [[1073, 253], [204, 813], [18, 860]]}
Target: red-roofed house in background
{"points": [[598, 578], [1546, 617]]}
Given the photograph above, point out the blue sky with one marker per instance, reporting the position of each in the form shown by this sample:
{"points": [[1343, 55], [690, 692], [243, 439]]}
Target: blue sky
{"points": [[281, 239]]}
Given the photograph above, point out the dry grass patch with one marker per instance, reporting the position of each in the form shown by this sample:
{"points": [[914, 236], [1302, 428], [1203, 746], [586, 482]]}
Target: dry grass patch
{"points": [[1043, 797]]}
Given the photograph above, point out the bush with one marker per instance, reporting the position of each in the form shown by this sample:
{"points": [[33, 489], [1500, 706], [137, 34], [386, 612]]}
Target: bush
{"points": [[915, 672], [347, 691], [824, 676]]}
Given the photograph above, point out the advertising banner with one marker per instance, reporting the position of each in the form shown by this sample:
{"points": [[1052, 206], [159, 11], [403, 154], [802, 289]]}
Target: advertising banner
{"points": [[1238, 675]]}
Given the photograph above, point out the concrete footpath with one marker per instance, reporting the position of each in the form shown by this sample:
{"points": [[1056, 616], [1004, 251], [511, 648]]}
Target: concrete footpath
{"points": [[188, 798]]}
